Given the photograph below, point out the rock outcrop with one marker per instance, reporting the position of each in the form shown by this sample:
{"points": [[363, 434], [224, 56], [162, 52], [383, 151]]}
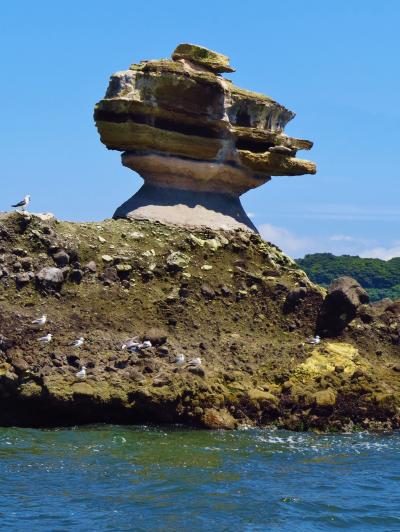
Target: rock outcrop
{"points": [[227, 297], [345, 296], [198, 141]]}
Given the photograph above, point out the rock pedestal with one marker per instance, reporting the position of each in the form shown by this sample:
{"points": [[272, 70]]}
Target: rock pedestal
{"points": [[198, 141]]}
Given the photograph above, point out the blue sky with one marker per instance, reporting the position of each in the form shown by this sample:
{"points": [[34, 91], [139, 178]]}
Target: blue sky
{"points": [[335, 63]]}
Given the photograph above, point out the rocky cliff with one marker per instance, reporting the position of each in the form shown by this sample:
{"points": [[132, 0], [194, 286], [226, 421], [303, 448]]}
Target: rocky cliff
{"points": [[227, 297]]}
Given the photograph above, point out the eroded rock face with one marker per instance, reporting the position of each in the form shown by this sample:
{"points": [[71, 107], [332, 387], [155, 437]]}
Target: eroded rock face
{"points": [[345, 296], [182, 126]]}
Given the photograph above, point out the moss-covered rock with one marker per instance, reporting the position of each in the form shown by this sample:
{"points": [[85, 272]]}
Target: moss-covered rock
{"points": [[256, 366], [203, 56]]}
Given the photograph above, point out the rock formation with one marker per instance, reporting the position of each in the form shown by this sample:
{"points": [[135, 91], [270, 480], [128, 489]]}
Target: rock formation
{"points": [[227, 297], [345, 296], [198, 141]]}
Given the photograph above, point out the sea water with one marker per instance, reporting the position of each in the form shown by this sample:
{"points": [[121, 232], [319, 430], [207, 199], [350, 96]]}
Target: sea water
{"points": [[159, 479]]}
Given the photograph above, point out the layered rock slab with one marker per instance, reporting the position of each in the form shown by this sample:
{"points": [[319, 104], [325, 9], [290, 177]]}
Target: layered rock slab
{"points": [[183, 127]]}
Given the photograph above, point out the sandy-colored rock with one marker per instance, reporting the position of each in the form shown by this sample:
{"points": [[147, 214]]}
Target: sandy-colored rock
{"points": [[183, 127], [203, 56], [255, 394], [325, 397], [218, 419], [30, 389]]}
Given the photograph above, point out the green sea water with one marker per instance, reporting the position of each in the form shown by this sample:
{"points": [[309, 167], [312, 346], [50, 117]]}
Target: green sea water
{"points": [[161, 479]]}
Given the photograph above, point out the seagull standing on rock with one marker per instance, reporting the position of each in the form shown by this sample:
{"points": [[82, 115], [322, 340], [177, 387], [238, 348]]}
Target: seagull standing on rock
{"points": [[314, 341], [82, 373], [131, 345], [146, 344], [195, 362], [23, 203], [180, 359], [46, 339], [78, 343], [40, 321]]}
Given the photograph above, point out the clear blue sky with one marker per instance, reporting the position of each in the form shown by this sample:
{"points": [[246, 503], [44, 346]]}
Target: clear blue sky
{"points": [[335, 63]]}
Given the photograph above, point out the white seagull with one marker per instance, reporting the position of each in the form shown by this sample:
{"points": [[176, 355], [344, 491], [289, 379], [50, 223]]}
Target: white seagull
{"points": [[146, 344], [23, 204], [82, 373], [131, 344], [316, 340], [40, 321], [180, 359], [45, 339], [78, 342], [195, 362]]}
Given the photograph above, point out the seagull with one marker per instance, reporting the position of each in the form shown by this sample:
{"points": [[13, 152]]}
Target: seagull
{"points": [[23, 204], [180, 359], [78, 342], [146, 344], [195, 362], [45, 339], [40, 321], [82, 373], [131, 344], [316, 340]]}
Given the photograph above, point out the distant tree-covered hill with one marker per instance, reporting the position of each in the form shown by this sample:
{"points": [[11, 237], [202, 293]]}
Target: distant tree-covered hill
{"points": [[379, 277]]}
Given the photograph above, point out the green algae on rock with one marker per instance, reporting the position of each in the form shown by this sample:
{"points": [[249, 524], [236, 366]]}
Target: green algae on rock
{"points": [[203, 56], [257, 368]]}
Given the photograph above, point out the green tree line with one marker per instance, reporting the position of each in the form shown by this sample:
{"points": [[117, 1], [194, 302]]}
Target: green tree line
{"points": [[379, 277]]}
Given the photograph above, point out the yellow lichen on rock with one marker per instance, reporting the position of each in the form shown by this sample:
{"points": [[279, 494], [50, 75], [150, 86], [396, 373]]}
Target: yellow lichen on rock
{"points": [[30, 389], [330, 356]]}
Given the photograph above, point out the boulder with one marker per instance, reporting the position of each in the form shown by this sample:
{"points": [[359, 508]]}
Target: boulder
{"points": [[218, 419], [91, 267], [325, 397], [76, 275], [22, 279], [204, 57], [177, 261], [50, 279], [207, 291], [110, 275], [61, 258], [345, 296]]}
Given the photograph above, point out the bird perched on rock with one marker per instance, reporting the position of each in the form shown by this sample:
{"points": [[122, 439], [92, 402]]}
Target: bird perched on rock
{"points": [[81, 374], [131, 345], [283, 150], [146, 344], [23, 203], [316, 340], [78, 342], [195, 362], [180, 359], [46, 339], [40, 321]]}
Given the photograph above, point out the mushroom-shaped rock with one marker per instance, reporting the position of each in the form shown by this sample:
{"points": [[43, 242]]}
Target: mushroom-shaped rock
{"points": [[198, 141]]}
